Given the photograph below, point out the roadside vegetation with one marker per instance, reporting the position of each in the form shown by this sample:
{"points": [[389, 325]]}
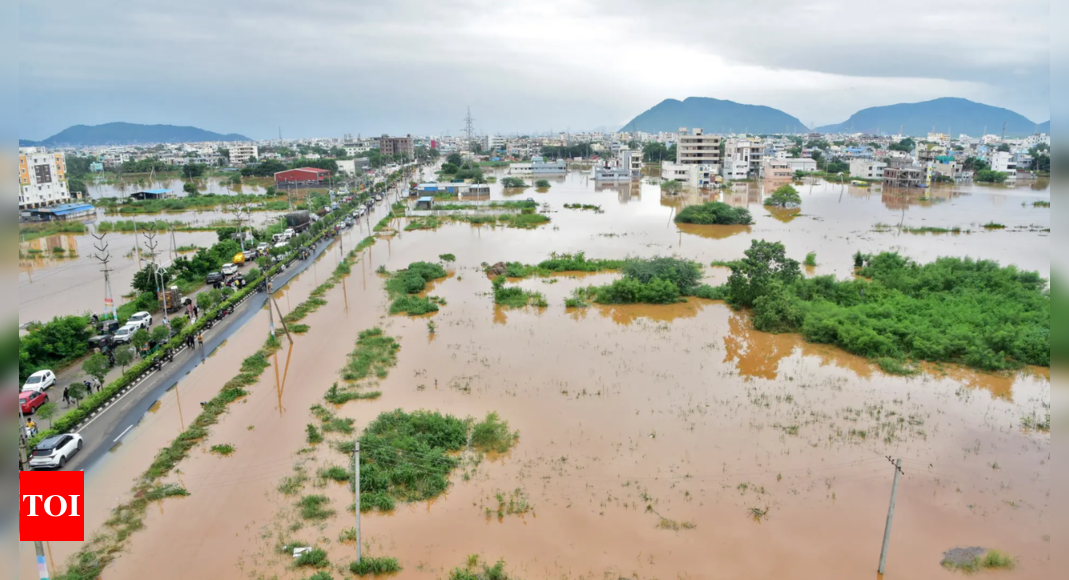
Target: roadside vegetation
{"points": [[404, 286], [954, 310], [784, 196], [714, 213]]}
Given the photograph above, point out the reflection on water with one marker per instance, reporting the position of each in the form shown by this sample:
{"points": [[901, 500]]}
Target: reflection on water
{"points": [[625, 314], [713, 232], [784, 214]]}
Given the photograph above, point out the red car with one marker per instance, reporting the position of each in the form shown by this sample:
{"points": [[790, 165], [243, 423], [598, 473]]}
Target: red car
{"points": [[31, 400]]}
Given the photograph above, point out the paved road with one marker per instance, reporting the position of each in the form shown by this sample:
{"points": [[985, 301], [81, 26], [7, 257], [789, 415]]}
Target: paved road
{"points": [[106, 429]]}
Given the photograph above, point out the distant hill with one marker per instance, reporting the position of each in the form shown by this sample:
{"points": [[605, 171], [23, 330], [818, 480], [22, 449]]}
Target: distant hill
{"points": [[1045, 127], [918, 119], [714, 116], [130, 134]]}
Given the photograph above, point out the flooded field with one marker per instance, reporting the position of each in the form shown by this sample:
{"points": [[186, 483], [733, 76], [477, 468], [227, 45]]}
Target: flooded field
{"points": [[654, 441], [129, 184]]}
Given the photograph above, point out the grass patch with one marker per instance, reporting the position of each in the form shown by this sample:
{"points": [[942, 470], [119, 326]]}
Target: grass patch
{"points": [[583, 206], [576, 300], [673, 525], [513, 183], [514, 296], [370, 566], [557, 263], [292, 485], [223, 449], [956, 310], [1041, 204], [315, 507], [33, 231], [811, 259], [313, 435], [973, 560], [492, 434], [993, 226], [515, 503], [408, 457], [413, 306], [374, 355], [474, 572], [333, 473], [320, 575], [314, 558], [336, 396], [402, 286], [165, 491], [423, 223], [543, 184], [1035, 424], [714, 213]]}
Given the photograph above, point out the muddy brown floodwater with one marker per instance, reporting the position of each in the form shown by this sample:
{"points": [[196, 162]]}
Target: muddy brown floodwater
{"points": [[631, 414]]}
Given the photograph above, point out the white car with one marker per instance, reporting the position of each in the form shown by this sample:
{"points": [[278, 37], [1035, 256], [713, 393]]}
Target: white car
{"points": [[55, 451], [39, 381], [230, 269], [262, 248], [141, 319], [123, 335]]}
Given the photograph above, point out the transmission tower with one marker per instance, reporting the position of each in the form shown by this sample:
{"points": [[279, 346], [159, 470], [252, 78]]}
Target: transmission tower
{"points": [[469, 130], [104, 256]]}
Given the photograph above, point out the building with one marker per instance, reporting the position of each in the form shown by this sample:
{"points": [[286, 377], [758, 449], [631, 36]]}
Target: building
{"points": [[631, 160], [241, 154], [699, 176], [540, 166], [949, 167], [697, 148], [64, 212], [911, 176], [42, 179], [734, 169], [304, 176], [800, 164], [777, 169], [396, 145], [867, 168], [96, 167], [1003, 162], [145, 194], [745, 156]]}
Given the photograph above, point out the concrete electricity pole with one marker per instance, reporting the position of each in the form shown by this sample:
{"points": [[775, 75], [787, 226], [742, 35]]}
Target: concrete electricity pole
{"points": [[356, 473], [890, 515]]}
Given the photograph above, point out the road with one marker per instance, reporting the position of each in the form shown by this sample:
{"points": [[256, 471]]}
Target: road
{"points": [[107, 428]]}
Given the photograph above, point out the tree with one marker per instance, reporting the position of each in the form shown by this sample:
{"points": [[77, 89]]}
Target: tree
{"points": [[48, 411], [671, 187], [1005, 148], [124, 355], [140, 339], [513, 183], [76, 391], [753, 276], [906, 145], [190, 188], [97, 366], [205, 301], [145, 280], [449, 168], [989, 176], [455, 159], [784, 196], [161, 334], [654, 152], [976, 164], [194, 170]]}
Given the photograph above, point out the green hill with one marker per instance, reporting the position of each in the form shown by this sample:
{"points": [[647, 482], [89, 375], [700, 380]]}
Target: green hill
{"points": [[948, 115], [714, 116], [130, 134]]}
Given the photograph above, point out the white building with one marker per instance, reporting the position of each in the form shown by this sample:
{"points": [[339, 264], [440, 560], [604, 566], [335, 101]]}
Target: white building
{"points": [[698, 176], [240, 154], [697, 148], [1003, 161], [800, 164], [631, 160], [42, 179], [742, 157], [867, 168]]}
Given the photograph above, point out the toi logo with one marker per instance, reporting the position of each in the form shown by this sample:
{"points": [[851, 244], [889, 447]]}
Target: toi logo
{"points": [[51, 506]]}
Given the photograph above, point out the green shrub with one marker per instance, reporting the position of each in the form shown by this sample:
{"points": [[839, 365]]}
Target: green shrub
{"points": [[513, 183], [375, 354], [714, 213], [314, 558], [314, 507], [784, 196], [811, 259], [542, 184], [492, 434], [371, 566]]}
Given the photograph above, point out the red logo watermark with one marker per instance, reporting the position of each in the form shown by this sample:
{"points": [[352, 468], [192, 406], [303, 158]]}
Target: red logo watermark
{"points": [[51, 506]]}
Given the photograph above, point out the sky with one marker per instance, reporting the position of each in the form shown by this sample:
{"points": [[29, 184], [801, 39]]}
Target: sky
{"points": [[324, 68]]}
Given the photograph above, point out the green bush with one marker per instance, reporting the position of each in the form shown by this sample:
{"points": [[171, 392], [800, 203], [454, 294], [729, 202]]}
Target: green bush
{"points": [[785, 196], [513, 183], [714, 213], [492, 434], [371, 566], [632, 291]]}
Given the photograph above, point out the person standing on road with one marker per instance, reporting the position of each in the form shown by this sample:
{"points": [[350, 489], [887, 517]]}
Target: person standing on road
{"points": [[196, 312], [67, 396]]}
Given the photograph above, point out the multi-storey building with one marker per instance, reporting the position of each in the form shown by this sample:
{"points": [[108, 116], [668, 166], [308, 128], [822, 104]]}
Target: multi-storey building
{"points": [[395, 145], [241, 154], [42, 179], [697, 148], [867, 168], [742, 158], [1003, 161]]}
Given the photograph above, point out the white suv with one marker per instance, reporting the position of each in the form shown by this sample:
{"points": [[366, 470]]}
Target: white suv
{"points": [[141, 319], [55, 451], [230, 269], [123, 335]]}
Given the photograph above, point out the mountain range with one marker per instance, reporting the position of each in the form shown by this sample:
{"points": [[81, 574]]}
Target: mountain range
{"points": [[129, 134], [953, 116], [714, 116]]}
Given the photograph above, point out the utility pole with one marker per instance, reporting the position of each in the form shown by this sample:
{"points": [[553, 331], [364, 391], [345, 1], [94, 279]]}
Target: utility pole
{"points": [[157, 272], [103, 256], [42, 565], [890, 515], [356, 473]]}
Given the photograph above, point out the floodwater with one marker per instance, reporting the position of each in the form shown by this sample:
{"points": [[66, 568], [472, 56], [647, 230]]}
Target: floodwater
{"points": [[57, 286], [628, 414], [217, 185]]}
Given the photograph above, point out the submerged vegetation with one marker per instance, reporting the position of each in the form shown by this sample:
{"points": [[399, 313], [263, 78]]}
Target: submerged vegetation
{"points": [[556, 263], [954, 310], [714, 213], [492, 434], [658, 280], [784, 196], [404, 285], [972, 560], [514, 296], [375, 354]]}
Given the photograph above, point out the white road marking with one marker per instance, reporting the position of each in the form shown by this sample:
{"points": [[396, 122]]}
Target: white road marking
{"points": [[100, 413], [123, 433]]}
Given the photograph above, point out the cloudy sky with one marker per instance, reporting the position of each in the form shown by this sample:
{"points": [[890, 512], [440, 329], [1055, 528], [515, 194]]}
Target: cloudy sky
{"points": [[328, 67]]}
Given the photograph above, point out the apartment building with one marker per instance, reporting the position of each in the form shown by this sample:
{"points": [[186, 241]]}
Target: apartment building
{"points": [[1003, 161], [867, 168], [241, 154], [777, 169], [42, 179], [697, 148], [631, 160], [396, 145], [694, 175], [742, 158]]}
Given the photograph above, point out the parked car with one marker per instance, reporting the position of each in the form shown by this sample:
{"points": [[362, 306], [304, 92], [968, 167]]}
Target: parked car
{"points": [[250, 255], [213, 278], [230, 269], [31, 400], [124, 334], [141, 319], [55, 451], [290, 233], [39, 381]]}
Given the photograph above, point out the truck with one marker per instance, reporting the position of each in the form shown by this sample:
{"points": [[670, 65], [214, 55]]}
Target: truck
{"points": [[298, 221], [173, 299]]}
